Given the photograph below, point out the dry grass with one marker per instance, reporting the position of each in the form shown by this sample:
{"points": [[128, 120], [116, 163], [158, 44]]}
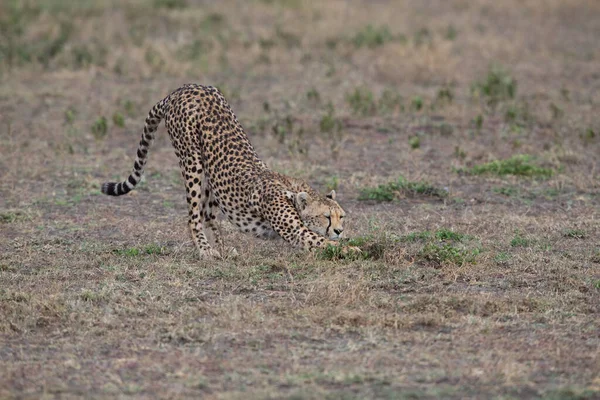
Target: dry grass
{"points": [[492, 291]]}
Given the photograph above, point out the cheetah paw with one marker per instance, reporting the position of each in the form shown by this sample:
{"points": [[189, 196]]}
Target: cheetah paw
{"points": [[209, 254]]}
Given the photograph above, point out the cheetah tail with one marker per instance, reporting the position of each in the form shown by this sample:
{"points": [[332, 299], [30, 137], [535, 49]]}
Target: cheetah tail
{"points": [[154, 117]]}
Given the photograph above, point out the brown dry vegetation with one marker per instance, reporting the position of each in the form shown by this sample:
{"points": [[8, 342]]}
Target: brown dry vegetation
{"points": [[490, 289]]}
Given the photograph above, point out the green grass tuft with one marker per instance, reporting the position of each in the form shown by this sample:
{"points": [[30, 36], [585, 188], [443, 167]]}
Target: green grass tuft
{"points": [[401, 187], [447, 253], [575, 234], [372, 37], [519, 241], [497, 86], [519, 165]]}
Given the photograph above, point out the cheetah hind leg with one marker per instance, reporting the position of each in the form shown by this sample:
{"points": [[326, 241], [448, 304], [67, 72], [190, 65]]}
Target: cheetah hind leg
{"points": [[196, 200], [210, 221]]}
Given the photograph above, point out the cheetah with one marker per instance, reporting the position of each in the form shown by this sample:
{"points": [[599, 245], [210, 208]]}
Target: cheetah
{"points": [[222, 170]]}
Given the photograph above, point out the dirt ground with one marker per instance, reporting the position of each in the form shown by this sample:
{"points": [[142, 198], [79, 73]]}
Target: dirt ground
{"points": [[462, 138]]}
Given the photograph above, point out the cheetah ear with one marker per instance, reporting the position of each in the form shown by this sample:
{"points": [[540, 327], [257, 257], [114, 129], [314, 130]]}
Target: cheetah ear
{"points": [[301, 200], [331, 195]]}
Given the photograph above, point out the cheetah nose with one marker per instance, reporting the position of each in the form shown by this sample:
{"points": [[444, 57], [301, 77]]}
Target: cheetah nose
{"points": [[338, 231]]}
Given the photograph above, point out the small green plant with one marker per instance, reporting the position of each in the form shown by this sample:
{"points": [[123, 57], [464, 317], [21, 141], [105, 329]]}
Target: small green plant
{"points": [[442, 234], [118, 119], [588, 135], [447, 253], [557, 112], [100, 128], [518, 165], [340, 253], [508, 191], [313, 95], [154, 249], [389, 102], [422, 36], [417, 103], [329, 123], [497, 86], [285, 130], [332, 183], [445, 95], [445, 234], [478, 122], [502, 258], [129, 107], [170, 4], [70, 115], [451, 32], [575, 233], [362, 102], [129, 252], [372, 36], [414, 142], [519, 241], [416, 236], [90, 296], [460, 152], [517, 114], [7, 217], [401, 187]]}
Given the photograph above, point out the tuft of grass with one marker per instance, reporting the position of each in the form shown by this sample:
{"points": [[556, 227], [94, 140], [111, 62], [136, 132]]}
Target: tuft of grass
{"points": [[313, 95], [389, 102], [445, 95], [70, 115], [100, 128], [372, 36], [575, 233], [442, 234], [417, 103], [588, 136], [339, 253], [151, 249], [414, 142], [118, 119], [518, 165], [170, 4], [497, 86], [10, 216], [502, 258], [401, 187], [519, 241], [445, 234], [329, 123], [362, 102], [478, 122], [447, 254], [416, 236], [332, 183], [451, 32], [517, 114]]}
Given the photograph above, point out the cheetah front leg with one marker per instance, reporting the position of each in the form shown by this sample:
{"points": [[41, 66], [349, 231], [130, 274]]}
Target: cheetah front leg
{"points": [[285, 220], [197, 201]]}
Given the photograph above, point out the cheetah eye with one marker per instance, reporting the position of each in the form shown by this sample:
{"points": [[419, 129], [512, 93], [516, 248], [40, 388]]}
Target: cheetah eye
{"points": [[327, 216], [342, 216]]}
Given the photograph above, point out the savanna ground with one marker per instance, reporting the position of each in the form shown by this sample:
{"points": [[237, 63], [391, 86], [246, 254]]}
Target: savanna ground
{"points": [[463, 138]]}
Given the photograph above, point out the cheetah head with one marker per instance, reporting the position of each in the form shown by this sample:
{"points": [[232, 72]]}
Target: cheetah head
{"points": [[321, 214]]}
